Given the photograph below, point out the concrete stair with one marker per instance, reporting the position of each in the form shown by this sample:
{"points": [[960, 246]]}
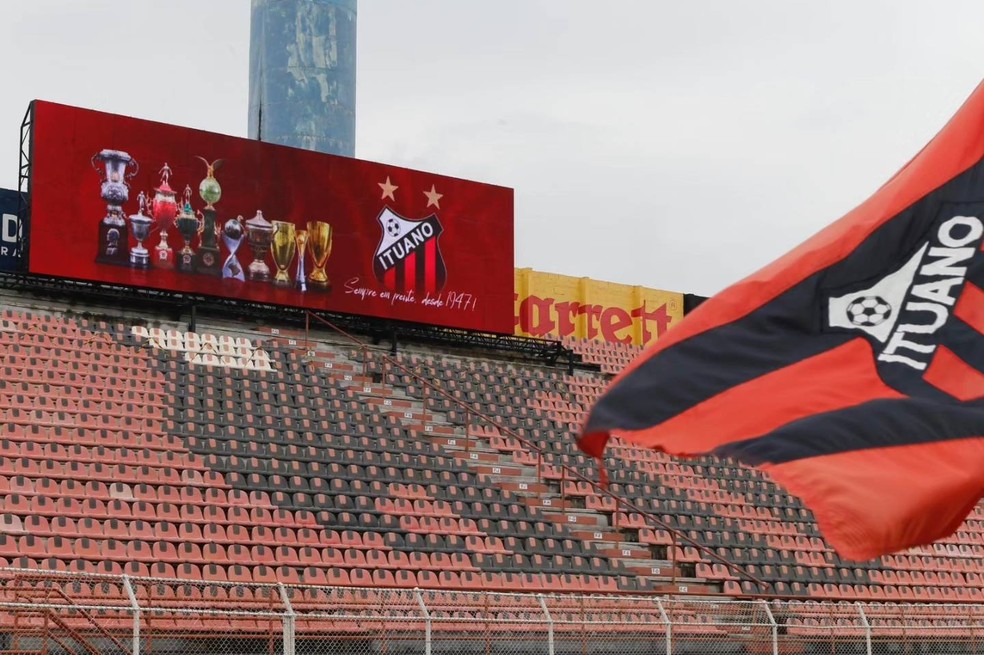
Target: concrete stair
{"points": [[502, 468]]}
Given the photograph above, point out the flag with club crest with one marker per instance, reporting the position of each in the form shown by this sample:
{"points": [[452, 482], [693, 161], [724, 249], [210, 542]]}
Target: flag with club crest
{"points": [[850, 370]]}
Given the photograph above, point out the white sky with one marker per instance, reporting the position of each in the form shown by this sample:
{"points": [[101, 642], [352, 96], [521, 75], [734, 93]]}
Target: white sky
{"points": [[674, 144]]}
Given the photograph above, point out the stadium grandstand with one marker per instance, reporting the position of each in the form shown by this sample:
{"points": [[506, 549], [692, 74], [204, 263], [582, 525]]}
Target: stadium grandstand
{"points": [[164, 488], [329, 432]]}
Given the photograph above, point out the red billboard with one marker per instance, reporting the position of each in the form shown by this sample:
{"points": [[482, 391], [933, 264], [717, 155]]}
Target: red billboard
{"points": [[132, 202]]}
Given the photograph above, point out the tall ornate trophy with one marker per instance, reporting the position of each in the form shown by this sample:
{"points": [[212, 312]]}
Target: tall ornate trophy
{"points": [[319, 243], [114, 239], [208, 249], [187, 224], [259, 232], [232, 236], [140, 223], [164, 209], [282, 248], [302, 240]]}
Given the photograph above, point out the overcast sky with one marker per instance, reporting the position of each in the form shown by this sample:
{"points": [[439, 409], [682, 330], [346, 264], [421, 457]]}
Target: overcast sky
{"points": [[678, 145]]}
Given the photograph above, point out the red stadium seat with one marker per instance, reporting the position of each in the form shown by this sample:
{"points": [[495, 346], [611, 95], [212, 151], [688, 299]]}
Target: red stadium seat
{"points": [[293, 476]]}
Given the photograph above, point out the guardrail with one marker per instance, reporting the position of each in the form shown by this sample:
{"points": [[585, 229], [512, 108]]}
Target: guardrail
{"points": [[55, 613]]}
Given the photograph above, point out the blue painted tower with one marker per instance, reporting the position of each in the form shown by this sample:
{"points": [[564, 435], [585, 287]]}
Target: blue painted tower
{"points": [[302, 74]]}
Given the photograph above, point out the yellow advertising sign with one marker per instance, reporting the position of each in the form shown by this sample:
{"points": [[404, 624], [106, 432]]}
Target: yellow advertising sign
{"points": [[563, 306]]}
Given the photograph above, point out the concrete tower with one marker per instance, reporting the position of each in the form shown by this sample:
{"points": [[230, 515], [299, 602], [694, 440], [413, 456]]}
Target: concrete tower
{"points": [[302, 74]]}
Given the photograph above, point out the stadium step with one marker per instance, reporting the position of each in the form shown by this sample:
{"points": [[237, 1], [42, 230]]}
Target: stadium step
{"points": [[522, 486], [432, 429], [501, 479], [396, 404], [411, 413], [449, 443], [463, 443], [282, 333], [497, 471], [689, 586], [626, 552], [329, 364], [476, 456], [600, 537], [544, 501], [657, 569], [572, 518], [334, 365], [362, 384]]}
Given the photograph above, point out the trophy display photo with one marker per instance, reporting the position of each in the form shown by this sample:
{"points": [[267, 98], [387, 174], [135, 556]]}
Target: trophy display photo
{"points": [[203, 231]]}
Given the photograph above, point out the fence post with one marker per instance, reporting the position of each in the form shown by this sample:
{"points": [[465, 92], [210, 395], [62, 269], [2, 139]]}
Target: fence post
{"points": [[775, 627], [669, 626], [289, 620], [131, 594], [427, 620], [550, 625], [867, 628], [973, 633]]}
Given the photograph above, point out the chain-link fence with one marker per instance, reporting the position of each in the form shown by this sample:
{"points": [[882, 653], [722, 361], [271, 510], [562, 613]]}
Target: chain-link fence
{"points": [[63, 613]]}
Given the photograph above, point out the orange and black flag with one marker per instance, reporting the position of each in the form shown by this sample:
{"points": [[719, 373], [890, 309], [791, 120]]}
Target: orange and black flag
{"points": [[851, 370]]}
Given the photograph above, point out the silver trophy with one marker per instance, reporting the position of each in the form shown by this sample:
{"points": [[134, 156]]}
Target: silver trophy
{"points": [[115, 167], [232, 236], [302, 240], [259, 235], [141, 224]]}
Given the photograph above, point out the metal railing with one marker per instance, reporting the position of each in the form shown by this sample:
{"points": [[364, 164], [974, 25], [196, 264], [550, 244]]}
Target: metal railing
{"points": [[62, 613]]}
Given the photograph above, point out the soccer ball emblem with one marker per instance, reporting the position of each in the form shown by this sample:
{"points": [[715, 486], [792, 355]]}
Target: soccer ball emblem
{"points": [[868, 311], [393, 227]]}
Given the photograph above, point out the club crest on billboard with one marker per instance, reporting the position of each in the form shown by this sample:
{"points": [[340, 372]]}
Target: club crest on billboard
{"points": [[408, 257]]}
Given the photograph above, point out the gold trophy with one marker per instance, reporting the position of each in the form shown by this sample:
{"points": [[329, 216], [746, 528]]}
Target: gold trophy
{"points": [[282, 247], [319, 243]]}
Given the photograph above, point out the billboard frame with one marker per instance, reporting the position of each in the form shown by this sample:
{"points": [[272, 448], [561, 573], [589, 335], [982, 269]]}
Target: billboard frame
{"points": [[28, 179], [24, 162]]}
